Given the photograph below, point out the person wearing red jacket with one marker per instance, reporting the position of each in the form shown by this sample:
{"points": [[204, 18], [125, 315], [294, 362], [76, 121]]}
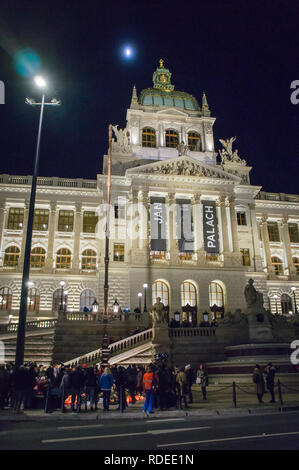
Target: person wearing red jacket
{"points": [[150, 384]]}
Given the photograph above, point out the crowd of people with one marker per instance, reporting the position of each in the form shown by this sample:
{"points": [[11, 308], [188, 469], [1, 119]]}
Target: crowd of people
{"points": [[163, 387]]}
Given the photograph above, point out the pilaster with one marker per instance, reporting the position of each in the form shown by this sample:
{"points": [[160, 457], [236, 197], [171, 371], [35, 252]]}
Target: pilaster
{"points": [[77, 235]]}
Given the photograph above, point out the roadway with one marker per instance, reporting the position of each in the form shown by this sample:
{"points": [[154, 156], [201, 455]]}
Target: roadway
{"points": [[274, 430]]}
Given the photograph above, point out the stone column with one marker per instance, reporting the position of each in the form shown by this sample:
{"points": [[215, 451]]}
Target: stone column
{"points": [[77, 235], [255, 239], [24, 233], [287, 247], [266, 242], [225, 240], [51, 237], [135, 222], [172, 240], [237, 256], [3, 211], [198, 230]]}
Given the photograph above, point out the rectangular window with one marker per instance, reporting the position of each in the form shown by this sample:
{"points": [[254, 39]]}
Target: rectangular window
{"points": [[66, 221], [41, 219], [119, 252], [245, 256], [241, 218], [273, 232], [15, 218], [90, 220], [119, 211], [294, 233]]}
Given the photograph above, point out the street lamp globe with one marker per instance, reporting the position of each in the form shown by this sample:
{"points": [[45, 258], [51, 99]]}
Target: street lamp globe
{"points": [[40, 81]]}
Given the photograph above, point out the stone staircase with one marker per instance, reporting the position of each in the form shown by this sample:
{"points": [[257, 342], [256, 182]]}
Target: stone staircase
{"points": [[135, 349], [38, 348], [39, 341]]}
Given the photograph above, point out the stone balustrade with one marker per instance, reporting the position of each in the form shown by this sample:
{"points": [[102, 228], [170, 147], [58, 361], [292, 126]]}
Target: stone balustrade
{"points": [[194, 331], [31, 325], [118, 346], [54, 181]]}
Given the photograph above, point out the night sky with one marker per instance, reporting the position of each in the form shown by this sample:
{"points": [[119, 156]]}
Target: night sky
{"points": [[243, 54]]}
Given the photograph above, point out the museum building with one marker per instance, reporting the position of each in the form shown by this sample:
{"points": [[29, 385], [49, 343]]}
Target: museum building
{"points": [[186, 225]]}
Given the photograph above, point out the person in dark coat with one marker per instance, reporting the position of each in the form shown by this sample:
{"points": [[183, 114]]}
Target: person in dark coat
{"points": [[203, 380], [270, 376], [90, 386], [76, 385], [22, 382], [120, 384], [132, 381], [164, 387], [4, 386], [190, 381], [259, 382]]}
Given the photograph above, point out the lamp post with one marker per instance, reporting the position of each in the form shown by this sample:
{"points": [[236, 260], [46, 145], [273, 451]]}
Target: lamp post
{"points": [[105, 340], [62, 284], [145, 287], [139, 300], [19, 359], [276, 297], [294, 295]]}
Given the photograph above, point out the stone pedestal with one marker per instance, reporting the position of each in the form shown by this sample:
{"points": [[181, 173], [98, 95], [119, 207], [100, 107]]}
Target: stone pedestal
{"points": [[160, 341], [260, 329]]}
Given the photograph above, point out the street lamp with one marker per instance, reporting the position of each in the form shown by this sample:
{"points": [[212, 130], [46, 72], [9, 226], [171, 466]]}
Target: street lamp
{"points": [[276, 297], [294, 294], [115, 307], [139, 299], [145, 287], [19, 359], [95, 307]]}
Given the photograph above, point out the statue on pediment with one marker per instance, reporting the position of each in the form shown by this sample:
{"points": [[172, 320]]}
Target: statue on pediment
{"points": [[227, 154], [122, 142], [182, 148]]}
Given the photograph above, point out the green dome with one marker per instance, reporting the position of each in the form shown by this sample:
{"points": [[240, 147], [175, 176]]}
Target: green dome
{"points": [[163, 94], [177, 99]]}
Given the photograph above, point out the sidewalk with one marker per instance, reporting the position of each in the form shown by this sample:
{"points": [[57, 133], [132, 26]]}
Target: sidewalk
{"points": [[219, 403]]}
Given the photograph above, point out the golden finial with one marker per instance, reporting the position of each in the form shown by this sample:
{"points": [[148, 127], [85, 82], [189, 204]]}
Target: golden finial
{"points": [[161, 62]]}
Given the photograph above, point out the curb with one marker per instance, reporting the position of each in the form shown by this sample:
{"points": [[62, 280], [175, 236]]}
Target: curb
{"points": [[133, 415]]}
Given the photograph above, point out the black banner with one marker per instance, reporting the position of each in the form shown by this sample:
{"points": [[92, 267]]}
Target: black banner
{"points": [[158, 224], [210, 227], [184, 226]]}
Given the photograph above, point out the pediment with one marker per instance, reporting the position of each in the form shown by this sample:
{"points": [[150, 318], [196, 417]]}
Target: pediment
{"points": [[184, 166], [172, 111]]}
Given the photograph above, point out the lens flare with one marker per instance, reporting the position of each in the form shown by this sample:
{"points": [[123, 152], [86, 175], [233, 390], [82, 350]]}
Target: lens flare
{"points": [[27, 63]]}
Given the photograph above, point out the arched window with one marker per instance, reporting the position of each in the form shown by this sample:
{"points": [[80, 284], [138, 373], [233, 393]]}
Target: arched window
{"points": [[188, 294], [60, 300], [286, 304], [296, 264], [11, 257], [216, 294], [148, 137], [89, 260], [160, 289], [171, 138], [33, 300], [38, 257], [5, 298], [277, 265], [63, 258], [194, 141], [87, 298]]}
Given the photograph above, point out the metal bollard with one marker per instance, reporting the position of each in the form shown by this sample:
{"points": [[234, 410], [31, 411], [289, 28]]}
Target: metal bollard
{"points": [[234, 395], [79, 402], [62, 409], [279, 392], [121, 399], [47, 400]]}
